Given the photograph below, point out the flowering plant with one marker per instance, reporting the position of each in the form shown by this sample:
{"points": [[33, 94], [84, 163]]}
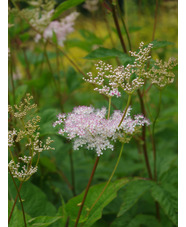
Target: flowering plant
{"points": [[113, 96]]}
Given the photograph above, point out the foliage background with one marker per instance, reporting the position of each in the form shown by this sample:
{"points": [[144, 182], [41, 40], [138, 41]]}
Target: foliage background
{"points": [[47, 191]]}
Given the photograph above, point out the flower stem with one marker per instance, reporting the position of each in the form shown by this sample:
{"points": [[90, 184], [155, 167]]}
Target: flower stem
{"points": [[144, 137], [109, 108], [107, 25], [118, 27], [114, 170], [18, 195], [86, 191], [126, 108], [124, 25], [72, 172]]}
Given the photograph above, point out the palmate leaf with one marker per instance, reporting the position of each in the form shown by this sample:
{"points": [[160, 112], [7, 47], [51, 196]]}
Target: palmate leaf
{"points": [[110, 193], [133, 191], [64, 6]]}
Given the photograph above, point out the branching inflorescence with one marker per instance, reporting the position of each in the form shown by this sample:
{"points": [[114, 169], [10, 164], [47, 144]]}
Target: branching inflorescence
{"points": [[109, 80], [23, 166]]}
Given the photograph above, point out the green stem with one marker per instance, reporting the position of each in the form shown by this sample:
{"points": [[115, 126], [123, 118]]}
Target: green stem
{"points": [[18, 195], [114, 170], [12, 157], [86, 191], [109, 108], [126, 108], [72, 172]]}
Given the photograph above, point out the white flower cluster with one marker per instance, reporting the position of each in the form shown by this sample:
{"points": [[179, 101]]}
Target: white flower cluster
{"points": [[11, 135], [105, 71], [160, 74], [91, 5], [39, 15], [88, 127], [24, 172], [21, 173], [109, 80], [60, 28], [130, 78], [22, 167]]}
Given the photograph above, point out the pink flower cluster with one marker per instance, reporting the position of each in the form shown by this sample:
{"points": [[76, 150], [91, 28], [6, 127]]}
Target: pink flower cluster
{"points": [[88, 126], [60, 28]]}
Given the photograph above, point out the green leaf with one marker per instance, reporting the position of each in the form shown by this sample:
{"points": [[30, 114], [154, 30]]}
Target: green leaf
{"points": [[62, 212], [170, 176], [104, 53], [34, 200], [64, 6], [160, 44], [17, 216], [110, 193], [43, 220], [133, 191], [20, 92], [145, 220], [167, 199]]}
